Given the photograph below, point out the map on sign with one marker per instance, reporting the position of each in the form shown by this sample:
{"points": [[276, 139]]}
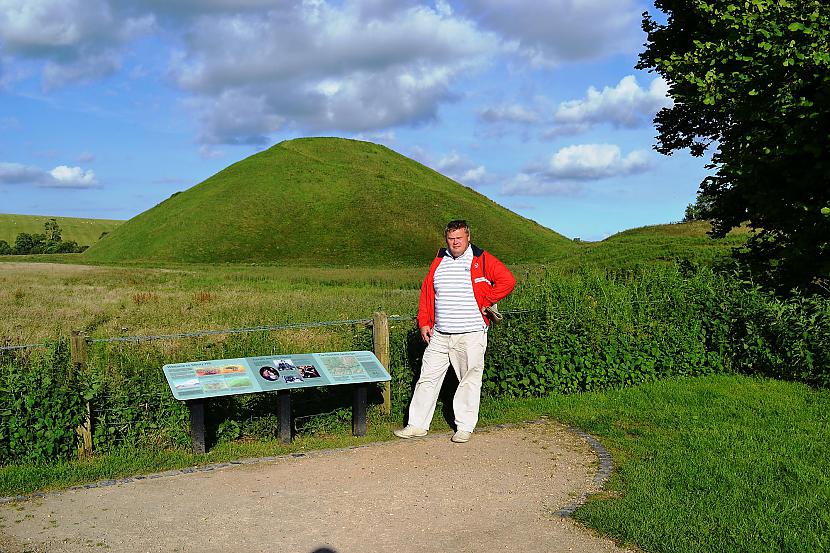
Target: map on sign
{"points": [[222, 377]]}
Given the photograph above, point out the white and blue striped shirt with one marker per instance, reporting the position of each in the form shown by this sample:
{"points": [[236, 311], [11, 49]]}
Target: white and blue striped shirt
{"points": [[456, 309]]}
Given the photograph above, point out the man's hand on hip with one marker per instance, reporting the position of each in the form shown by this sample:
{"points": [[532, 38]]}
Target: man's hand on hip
{"points": [[426, 333]]}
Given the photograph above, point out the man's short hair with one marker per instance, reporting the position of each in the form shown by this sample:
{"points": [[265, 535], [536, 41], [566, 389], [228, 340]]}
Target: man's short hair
{"points": [[457, 224]]}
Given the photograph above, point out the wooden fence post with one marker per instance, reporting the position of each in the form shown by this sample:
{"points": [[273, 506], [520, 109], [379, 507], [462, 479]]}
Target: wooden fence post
{"points": [[380, 340], [79, 359]]}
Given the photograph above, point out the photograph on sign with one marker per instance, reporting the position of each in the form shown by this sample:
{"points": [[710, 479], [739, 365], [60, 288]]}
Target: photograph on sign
{"points": [[285, 365], [308, 371], [269, 373]]}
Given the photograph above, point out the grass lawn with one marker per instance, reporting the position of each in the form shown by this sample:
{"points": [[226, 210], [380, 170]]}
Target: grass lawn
{"points": [[725, 463]]}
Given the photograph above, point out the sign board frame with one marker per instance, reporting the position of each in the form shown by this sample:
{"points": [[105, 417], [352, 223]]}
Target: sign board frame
{"points": [[195, 382], [271, 373]]}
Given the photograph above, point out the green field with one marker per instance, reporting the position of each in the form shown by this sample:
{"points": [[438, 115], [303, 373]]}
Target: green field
{"points": [[50, 300], [53, 294], [83, 231]]}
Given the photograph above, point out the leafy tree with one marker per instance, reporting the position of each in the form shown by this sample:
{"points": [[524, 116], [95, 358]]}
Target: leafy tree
{"points": [[751, 80], [39, 244], [52, 231], [23, 243], [5, 249], [698, 211], [70, 246]]}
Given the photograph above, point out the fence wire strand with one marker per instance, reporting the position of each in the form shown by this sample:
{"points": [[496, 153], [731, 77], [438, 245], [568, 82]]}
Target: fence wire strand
{"points": [[265, 328]]}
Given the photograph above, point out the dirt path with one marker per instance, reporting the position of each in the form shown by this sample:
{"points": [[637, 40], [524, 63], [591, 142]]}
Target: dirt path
{"points": [[499, 492]]}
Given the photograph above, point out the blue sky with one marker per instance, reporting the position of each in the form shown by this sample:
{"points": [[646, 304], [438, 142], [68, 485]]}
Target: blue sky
{"points": [[110, 106]]}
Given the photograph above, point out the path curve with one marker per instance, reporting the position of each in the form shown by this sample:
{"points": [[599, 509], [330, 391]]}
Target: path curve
{"points": [[502, 491]]}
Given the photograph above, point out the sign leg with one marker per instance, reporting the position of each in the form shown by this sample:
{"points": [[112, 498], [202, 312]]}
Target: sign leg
{"points": [[359, 410], [197, 424], [284, 409]]}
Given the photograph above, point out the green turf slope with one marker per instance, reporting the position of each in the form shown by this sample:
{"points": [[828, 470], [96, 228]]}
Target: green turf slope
{"points": [[323, 201], [82, 231], [662, 243]]}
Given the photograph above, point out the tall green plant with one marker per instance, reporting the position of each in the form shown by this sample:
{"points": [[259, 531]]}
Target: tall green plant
{"points": [[41, 405]]}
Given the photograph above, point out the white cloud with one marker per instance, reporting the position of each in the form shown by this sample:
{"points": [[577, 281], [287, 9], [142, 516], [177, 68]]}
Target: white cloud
{"points": [[568, 170], [461, 169], [549, 32], [595, 161], [353, 67], [71, 177], [61, 176], [624, 105], [78, 40], [15, 173]]}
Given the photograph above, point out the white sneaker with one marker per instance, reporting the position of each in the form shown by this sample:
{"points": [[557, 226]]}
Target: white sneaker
{"points": [[410, 431], [461, 436]]}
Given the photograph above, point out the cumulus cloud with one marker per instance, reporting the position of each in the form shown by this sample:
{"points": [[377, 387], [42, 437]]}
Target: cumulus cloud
{"points": [[323, 66], [72, 177], [458, 167], [549, 32], [78, 40], [250, 68], [462, 169], [624, 105], [595, 161], [61, 176], [16, 173], [567, 170]]}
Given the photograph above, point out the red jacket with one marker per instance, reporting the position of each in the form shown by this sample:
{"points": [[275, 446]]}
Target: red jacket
{"points": [[491, 280]]}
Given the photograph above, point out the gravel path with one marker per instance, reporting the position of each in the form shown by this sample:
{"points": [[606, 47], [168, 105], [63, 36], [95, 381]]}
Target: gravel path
{"points": [[498, 492]]}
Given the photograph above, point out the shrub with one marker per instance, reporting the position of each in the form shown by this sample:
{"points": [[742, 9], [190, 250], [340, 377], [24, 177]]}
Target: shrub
{"points": [[42, 405]]}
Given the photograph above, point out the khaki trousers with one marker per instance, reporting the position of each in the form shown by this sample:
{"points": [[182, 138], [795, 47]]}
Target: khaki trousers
{"points": [[466, 354]]}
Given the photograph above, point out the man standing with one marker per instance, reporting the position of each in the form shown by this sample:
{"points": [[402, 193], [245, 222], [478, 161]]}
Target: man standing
{"points": [[462, 283]]}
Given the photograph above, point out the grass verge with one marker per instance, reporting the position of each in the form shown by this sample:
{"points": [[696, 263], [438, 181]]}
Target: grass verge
{"points": [[724, 463]]}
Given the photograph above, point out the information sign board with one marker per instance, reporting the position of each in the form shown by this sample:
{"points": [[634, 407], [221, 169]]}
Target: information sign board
{"points": [[222, 377]]}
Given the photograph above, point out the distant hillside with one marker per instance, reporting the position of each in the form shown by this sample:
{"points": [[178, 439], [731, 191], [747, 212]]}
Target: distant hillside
{"points": [[83, 231], [323, 201], [667, 243]]}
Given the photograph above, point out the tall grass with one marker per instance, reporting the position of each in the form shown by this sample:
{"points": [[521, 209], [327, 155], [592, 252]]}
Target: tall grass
{"points": [[48, 300]]}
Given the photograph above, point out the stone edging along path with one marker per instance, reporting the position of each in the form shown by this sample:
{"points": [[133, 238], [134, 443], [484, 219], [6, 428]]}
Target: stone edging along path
{"points": [[606, 466]]}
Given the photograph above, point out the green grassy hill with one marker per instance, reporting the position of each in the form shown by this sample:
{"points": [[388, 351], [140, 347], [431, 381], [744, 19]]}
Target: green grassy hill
{"points": [[323, 201], [83, 231], [665, 243]]}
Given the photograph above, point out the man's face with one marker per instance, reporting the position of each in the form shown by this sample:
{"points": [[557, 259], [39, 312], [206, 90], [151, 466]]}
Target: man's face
{"points": [[457, 241]]}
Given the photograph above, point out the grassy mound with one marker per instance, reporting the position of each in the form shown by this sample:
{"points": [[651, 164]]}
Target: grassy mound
{"points": [[82, 231], [323, 201]]}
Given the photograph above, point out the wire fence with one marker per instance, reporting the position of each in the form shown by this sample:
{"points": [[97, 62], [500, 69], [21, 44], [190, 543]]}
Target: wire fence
{"points": [[230, 331]]}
